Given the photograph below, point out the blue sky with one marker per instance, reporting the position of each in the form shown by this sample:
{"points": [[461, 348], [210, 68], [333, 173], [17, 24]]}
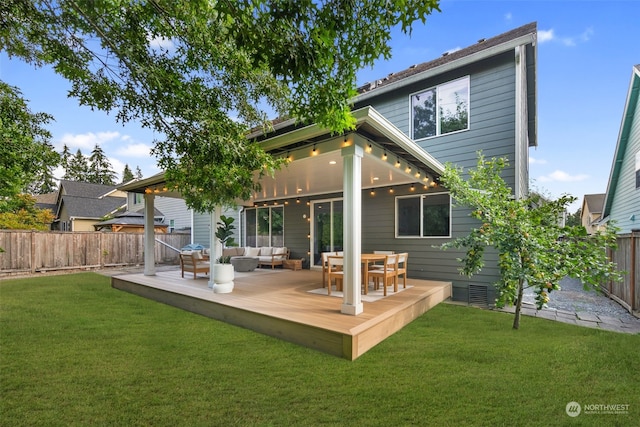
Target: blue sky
{"points": [[586, 51]]}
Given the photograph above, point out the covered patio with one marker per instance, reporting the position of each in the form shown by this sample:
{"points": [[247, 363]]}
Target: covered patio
{"points": [[279, 303]]}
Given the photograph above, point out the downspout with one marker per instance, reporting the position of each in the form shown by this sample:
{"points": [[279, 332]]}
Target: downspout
{"points": [[521, 154]]}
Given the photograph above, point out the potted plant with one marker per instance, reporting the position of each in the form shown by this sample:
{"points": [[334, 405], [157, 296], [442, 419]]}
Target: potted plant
{"points": [[223, 270]]}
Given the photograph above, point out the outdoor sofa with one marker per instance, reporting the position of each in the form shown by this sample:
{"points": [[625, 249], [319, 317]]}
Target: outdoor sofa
{"points": [[266, 255]]}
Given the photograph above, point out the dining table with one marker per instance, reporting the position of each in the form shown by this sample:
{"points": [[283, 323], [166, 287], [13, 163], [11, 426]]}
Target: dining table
{"points": [[366, 260]]}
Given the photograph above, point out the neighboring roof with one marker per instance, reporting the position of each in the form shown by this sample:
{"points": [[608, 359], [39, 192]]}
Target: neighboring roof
{"points": [[84, 207], [594, 202], [623, 139], [46, 201], [131, 218], [86, 189]]}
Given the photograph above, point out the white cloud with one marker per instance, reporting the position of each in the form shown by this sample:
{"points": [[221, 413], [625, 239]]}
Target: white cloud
{"points": [[160, 43], [117, 166], [569, 41], [135, 150], [545, 35], [561, 176], [85, 141], [508, 16], [533, 160], [586, 35]]}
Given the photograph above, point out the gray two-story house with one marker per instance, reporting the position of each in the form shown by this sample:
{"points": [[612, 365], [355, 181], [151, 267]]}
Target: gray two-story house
{"points": [[410, 124], [377, 187]]}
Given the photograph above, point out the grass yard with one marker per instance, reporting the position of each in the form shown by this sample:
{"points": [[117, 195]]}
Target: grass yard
{"points": [[74, 351]]}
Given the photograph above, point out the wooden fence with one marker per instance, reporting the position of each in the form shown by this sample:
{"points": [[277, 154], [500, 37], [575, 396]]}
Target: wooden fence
{"points": [[32, 251], [627, 257]]}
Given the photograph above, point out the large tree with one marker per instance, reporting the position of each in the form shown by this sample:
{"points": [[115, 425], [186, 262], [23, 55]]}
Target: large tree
{"points": [[202, 73], [100, 171], [127, 175], [24, 143], [78, 168], [534, 249]]}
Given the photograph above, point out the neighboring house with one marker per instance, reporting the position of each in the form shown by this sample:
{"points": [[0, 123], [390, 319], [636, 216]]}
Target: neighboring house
{"points": [[131, 222], [47, 201], [591, 212], [80, 205], [377, 187], [622, 200]]}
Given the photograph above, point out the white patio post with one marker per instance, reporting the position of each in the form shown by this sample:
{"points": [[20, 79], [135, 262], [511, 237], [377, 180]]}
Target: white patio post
{"points": [[352, 190], [215, 247], [149, 235]]}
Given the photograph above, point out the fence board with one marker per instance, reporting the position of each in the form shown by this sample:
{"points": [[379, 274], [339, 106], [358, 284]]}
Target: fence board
{"points": [[627, 258], [50, 250]]}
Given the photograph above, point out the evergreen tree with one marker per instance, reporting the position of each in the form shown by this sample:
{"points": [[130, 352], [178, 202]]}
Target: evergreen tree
{"points": [[44, 181], [127, 175], [100, 171], [65, 156], [78, 168], [138, 172]]}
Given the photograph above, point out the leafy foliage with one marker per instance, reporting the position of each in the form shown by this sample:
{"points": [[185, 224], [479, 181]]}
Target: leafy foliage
{"points": [[224, 232], [534, 249], [203, 73], [20, 213], [25, 151]]}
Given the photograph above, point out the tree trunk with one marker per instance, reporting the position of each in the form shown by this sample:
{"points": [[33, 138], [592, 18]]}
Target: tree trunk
{"points": [[516, 318]]}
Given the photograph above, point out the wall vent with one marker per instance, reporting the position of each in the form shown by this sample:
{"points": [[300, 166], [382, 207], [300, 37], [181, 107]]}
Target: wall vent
{"points": [[478, 295]]}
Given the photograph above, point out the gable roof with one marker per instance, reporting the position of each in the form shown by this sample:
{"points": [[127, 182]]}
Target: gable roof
{"points": [[483, 48], [86, 189], [623, 139], [593, 202], [85, 207]]}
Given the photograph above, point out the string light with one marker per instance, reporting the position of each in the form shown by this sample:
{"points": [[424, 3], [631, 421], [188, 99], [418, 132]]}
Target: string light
{"points": [[373, 192], [413, 188], [384, 156], [391, 190], [314, 151]]}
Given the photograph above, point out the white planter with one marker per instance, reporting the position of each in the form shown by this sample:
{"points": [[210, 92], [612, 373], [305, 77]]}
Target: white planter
{"points": [[223, 275]]}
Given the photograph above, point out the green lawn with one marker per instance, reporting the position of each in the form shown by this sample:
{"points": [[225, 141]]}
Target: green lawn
{"points": [[74, 351]]}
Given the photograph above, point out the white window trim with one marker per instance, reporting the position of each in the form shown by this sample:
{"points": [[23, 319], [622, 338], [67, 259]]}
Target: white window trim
{"points": [[438, 134], [421, 197]]}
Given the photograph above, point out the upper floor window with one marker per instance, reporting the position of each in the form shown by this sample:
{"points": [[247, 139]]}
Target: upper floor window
{"points": [[441, 109], [423, 215]]}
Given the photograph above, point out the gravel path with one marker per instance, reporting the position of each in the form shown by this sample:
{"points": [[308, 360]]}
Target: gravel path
{"points": [[586, 307]]}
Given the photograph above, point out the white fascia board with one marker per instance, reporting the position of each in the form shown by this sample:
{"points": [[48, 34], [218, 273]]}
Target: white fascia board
{"points": [[380, 123], [142, 183], [466, 60]]}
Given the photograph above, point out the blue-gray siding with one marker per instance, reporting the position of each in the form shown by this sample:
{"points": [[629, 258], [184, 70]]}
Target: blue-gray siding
{"points": [[626, 201]]}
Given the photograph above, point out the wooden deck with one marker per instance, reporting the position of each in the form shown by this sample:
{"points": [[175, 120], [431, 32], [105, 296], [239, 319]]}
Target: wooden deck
{"points": [[277, 303]]}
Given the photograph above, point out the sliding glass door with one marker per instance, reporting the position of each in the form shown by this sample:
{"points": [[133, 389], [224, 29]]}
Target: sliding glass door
{"points": [[327, 227]]}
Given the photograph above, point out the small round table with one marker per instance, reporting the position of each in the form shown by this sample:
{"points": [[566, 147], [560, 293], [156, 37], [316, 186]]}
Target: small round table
{"points": [[244, 263]]}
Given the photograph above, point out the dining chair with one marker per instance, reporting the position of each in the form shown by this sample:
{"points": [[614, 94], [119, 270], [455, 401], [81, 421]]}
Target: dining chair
{"points": [[377, 264], [402, 267], [335, 270], [325, 267], [388, 272]]}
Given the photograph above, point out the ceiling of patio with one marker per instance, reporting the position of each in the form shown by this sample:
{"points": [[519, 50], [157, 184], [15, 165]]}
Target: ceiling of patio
{"points": [[323, 174]]}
